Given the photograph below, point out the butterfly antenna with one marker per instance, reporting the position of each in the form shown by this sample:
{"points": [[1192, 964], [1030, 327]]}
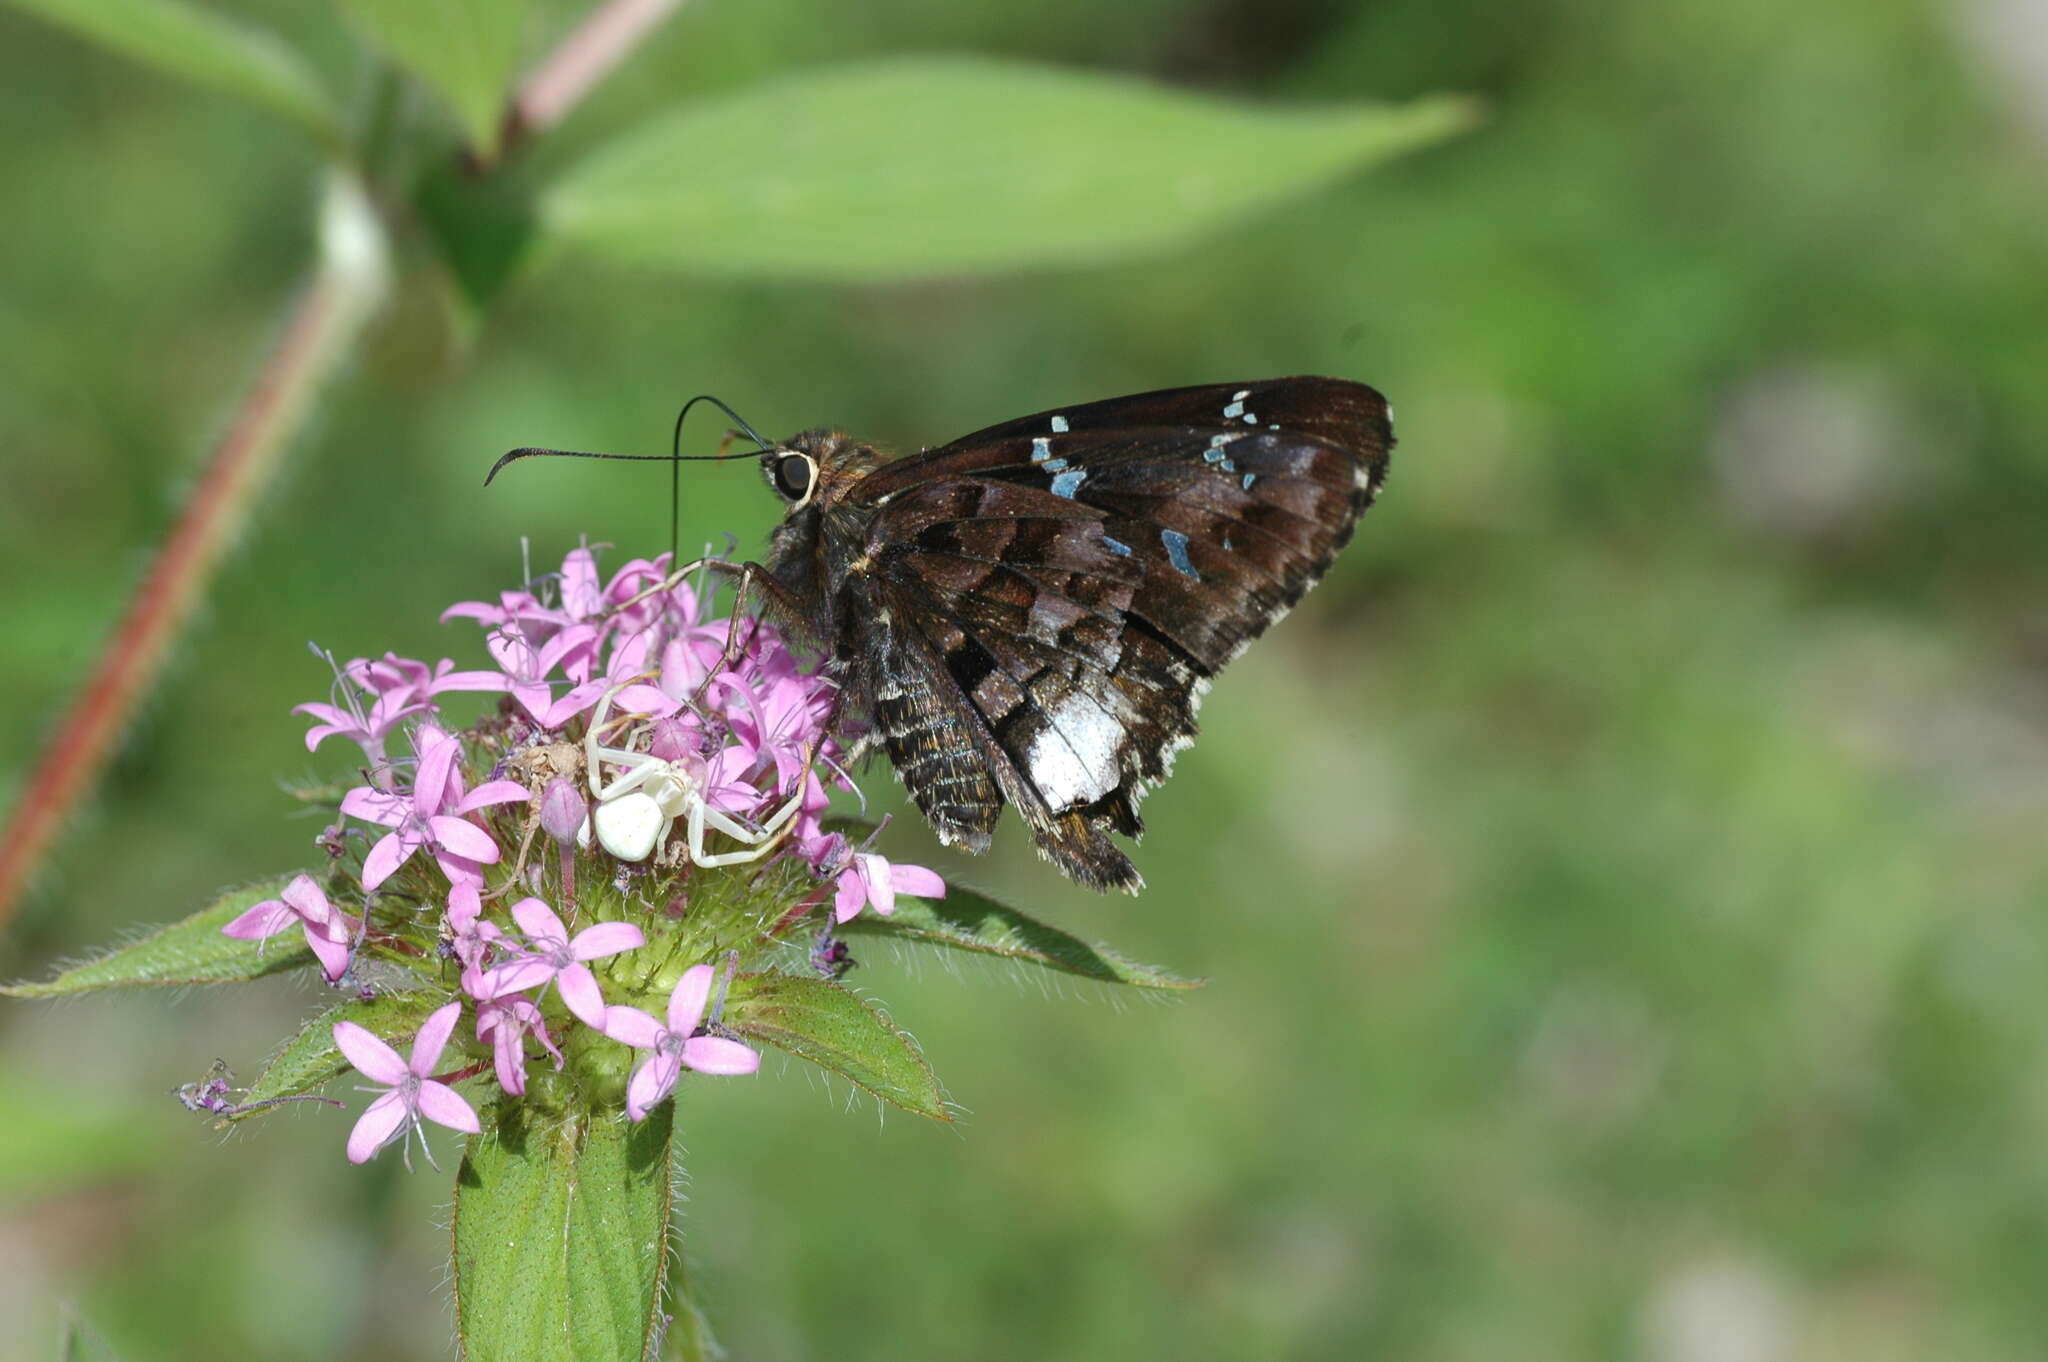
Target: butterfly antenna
{"points": [[673, 457]]}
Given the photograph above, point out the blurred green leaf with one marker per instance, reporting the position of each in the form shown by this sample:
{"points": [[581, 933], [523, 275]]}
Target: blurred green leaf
{"points": [[466, 51], [562, 1239], [189, 952], [956, 165], [967, 921], [483, 226], [208, 49], [310, 1059], [836, 1029]]}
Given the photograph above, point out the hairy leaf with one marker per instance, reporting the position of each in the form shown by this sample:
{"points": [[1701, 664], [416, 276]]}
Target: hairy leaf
{"points": [[967, 921], [310, 1058], [836, 1029], [189, 952], [562, 1239]]}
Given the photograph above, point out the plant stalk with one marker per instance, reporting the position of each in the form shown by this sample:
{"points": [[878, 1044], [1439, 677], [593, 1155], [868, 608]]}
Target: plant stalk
{"points": [[347, 284]]}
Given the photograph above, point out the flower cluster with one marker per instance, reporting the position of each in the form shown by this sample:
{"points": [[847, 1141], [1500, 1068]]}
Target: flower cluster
{"points": [[673, 763]]}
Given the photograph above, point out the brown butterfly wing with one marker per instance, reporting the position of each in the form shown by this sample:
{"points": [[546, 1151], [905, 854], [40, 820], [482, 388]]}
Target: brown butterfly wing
{"points": [[1050, 597]]}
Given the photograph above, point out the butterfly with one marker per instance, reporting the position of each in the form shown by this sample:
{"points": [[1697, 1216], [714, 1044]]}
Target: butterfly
{"points": [[1031, 614]]}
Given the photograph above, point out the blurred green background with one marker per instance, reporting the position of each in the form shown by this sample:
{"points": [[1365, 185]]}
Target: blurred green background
{"points": [[1621, 883]]}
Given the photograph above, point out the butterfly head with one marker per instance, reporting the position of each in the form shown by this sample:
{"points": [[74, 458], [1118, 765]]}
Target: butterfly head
{"points": [[816, 466]]}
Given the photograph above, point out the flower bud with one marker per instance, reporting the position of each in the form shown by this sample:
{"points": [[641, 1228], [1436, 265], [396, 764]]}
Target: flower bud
{"points": [[562, 809]]}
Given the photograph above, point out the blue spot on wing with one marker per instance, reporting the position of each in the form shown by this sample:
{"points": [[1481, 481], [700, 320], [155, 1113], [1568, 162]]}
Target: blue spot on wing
{"points": [[1249, 479], [1177, 553], [1116, 546], [1067, 483]]}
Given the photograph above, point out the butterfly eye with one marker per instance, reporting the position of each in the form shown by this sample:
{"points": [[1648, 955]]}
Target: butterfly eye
{"points": [[795, 476]]}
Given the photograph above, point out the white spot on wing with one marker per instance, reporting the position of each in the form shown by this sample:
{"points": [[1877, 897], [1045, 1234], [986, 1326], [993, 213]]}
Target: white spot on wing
{"points": [[1059, 425], [1073, 759]]}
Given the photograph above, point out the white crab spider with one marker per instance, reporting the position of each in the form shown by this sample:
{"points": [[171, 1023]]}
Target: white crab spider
{"points": [[634, 813]]}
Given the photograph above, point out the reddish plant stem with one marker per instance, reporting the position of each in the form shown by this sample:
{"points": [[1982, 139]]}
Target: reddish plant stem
{"points": [[342, 294], [579, 62], [800, 910]]}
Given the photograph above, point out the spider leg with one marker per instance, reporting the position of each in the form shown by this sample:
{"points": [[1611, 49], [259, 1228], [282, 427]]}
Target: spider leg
{"points": [[736, 857], [759, 842], [639, 771], [591, 750], [733, 828], [702, 813]]}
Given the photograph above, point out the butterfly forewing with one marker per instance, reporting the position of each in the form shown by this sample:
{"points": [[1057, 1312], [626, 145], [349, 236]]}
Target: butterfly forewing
{"points": [[1044, 601]]}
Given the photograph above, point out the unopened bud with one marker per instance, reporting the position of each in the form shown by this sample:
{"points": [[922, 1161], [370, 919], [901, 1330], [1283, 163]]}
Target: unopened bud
{"points": [[562, 809]]}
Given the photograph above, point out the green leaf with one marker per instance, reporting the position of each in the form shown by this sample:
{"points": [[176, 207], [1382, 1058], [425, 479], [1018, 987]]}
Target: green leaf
{"points": [[562, 1238], [466, 51], [309, 1059], [946, 166], [188, 952], [483, 226], [967, 921], [836, 1029], [208, 49]]}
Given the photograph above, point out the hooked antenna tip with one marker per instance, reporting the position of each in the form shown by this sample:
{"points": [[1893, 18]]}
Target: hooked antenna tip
{"points": [[511, 456]]}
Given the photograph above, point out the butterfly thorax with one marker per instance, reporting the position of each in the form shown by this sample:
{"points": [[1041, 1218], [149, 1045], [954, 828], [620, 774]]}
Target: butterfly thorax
{"points": [[824, 539]]}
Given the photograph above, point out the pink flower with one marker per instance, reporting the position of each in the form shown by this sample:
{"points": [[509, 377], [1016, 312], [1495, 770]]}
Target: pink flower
{"points": [[514, 608], [412, 1092], [402, 689], [582, 596], [329, 931], [430, 815], [871, 880], [505, 1023], [395, 675], [624, 670], [553, 954], [527, 662], [471, 938], [639, 578], [782, 720], [675, 1046]]}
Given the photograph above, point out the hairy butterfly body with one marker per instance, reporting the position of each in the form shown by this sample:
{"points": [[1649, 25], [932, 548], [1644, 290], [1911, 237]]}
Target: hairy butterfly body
{"points": [[1030, 615]]}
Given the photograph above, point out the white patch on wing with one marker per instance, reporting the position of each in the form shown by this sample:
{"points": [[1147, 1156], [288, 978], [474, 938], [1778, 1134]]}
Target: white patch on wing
{"points": [[1073, 760]]}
